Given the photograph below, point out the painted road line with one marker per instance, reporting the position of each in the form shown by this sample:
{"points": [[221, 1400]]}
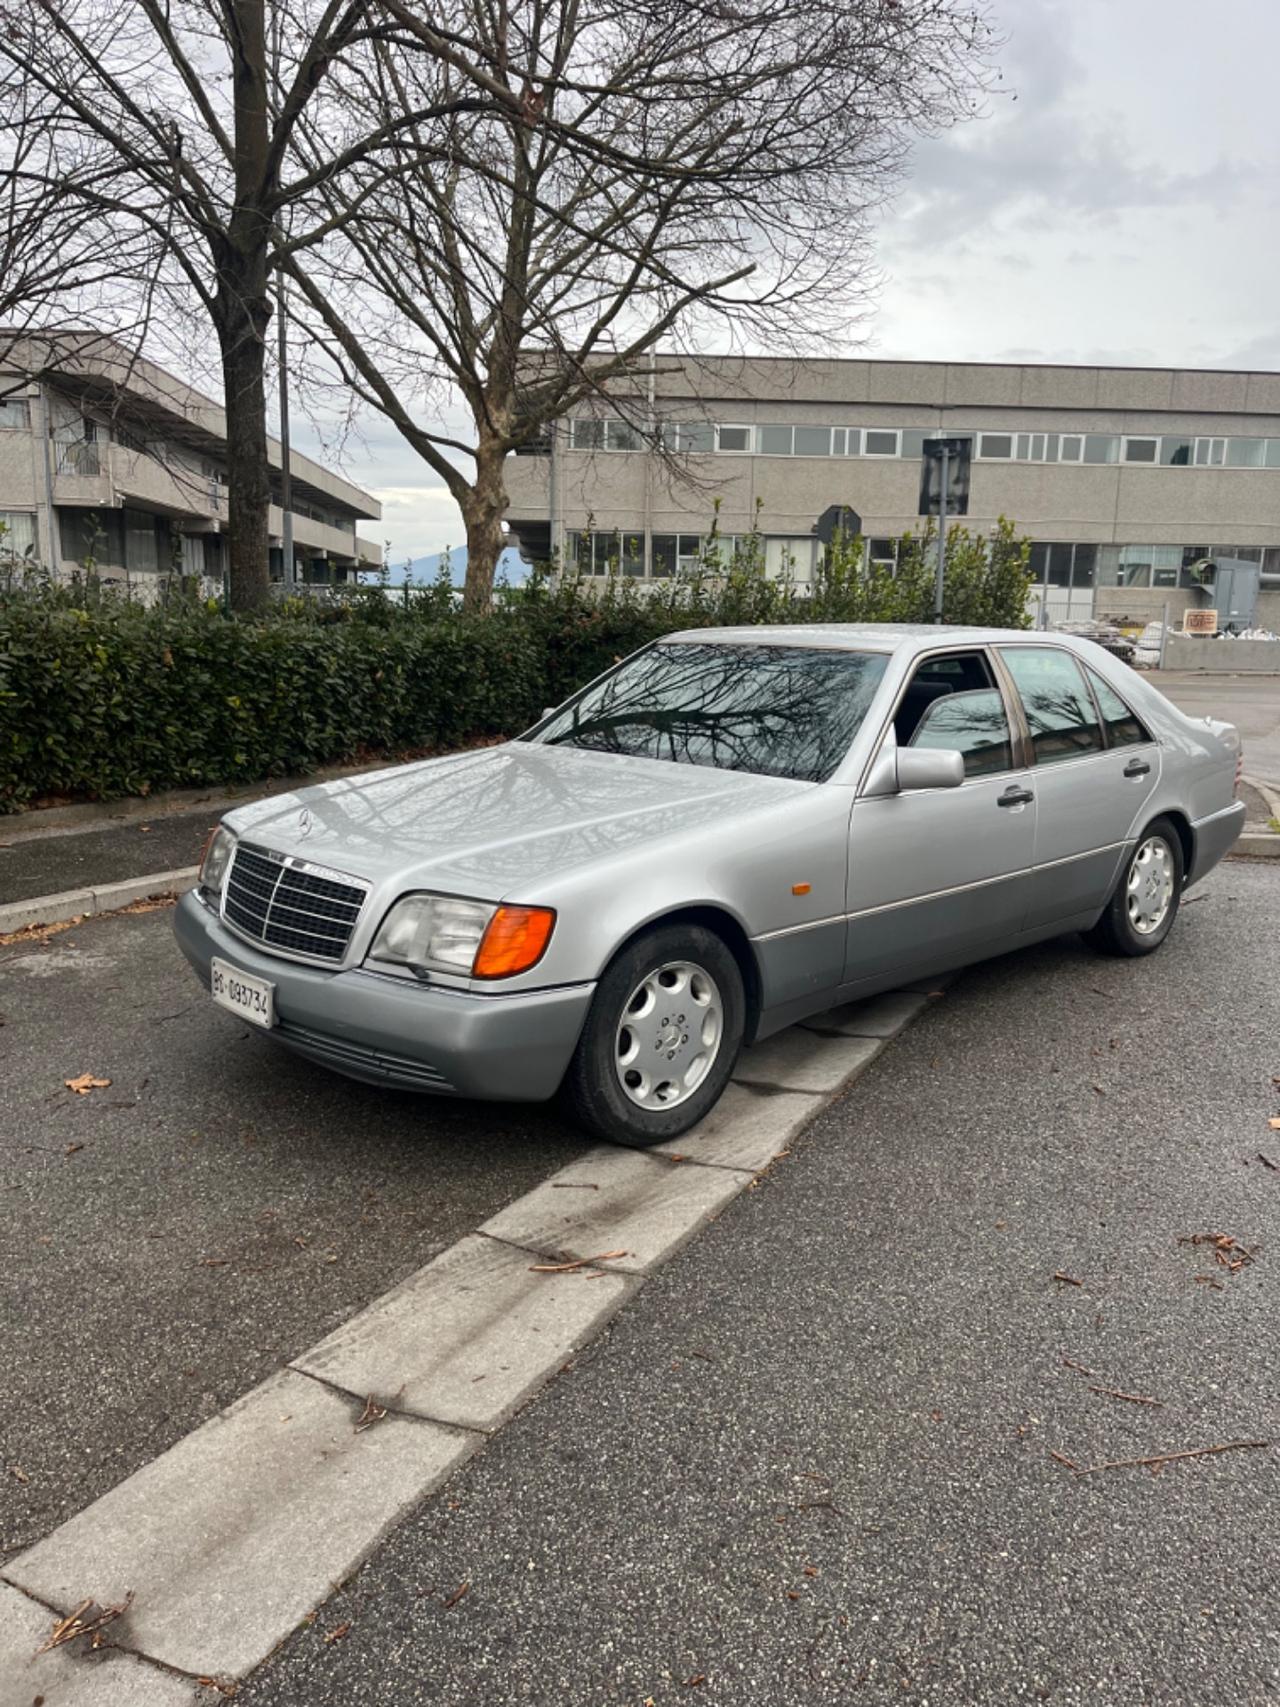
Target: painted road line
{"points": [[231, 1537], [467, 1339], [85, 903]]}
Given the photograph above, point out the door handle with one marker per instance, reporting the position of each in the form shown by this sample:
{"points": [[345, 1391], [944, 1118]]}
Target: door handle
{"points": [[1015, 796], [1137, 767]]}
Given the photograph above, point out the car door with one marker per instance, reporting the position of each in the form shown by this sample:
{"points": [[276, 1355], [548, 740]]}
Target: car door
{"points": [[938, 877], [1093, 773]]}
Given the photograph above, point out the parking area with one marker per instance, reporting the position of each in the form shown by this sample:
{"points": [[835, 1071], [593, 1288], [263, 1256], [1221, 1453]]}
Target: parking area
{"points": [[850, 1447], [170, 1238]]}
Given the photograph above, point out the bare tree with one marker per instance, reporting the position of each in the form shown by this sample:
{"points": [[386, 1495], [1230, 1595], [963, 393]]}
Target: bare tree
{"points": [[148, 161], [690, 173]]}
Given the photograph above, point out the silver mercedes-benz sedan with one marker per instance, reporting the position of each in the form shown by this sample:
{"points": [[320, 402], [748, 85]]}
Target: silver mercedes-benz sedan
{"points": [[731, 830]]}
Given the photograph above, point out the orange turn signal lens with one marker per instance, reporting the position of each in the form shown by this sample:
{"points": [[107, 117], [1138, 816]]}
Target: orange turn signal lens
{"points": [[515, 940]]}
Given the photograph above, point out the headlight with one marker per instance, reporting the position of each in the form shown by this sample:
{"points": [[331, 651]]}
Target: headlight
{"points": [[440, 933], [217, 857]]}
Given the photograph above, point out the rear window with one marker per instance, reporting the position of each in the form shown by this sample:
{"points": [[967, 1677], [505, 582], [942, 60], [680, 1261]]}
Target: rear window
{"points": [[788, 711]]}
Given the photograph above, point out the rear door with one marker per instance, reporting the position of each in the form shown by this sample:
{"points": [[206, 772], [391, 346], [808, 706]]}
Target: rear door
{"points": [[939, 876], [1094, 767]]}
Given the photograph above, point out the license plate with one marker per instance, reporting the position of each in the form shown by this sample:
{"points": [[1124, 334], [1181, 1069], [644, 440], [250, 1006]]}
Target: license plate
{"points": [[242, 993]]}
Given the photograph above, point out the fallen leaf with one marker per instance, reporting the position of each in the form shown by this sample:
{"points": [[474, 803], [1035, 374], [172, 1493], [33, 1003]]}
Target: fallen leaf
{"points": [[18, 1473], [338, 1632], [1274, 1123], [85, 1083], [457, 1595]]}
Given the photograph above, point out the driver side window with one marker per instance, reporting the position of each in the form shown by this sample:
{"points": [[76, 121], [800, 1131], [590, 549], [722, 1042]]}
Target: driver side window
{"points": [[954, 703]]}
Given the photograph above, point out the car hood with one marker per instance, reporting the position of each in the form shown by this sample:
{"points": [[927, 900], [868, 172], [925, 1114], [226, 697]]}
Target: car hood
{"points": [[493, 823]]}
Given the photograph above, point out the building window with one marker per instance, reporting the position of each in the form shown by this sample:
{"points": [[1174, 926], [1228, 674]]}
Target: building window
{"points": [[853, 441], [880, 443], [883, 553], [1101, 447], [1175, 452], [1210, 453], [995, 446], [1071, 448], [695, 436], [17, 534], [812, 441], [1246, 453], [586, 433], [15, 414], [733, 438], [775, 441], [1141, 450], [621, 435], [912, 442]]}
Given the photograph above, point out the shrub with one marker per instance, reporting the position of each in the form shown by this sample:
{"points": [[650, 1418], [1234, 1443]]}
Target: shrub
{"points": [[103, 697]]}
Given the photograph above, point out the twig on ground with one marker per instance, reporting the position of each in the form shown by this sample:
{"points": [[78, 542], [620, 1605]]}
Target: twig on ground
{"points": [[568, 1267], [457, 1595], [1159, 1459], [372, 1413], [1067, 1279], [1063, 1459], [1133, 1398], [76, 1624], [1072, 1364]]}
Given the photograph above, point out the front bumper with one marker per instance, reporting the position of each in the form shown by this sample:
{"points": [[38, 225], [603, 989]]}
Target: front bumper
{"points": [[508, 1048]]}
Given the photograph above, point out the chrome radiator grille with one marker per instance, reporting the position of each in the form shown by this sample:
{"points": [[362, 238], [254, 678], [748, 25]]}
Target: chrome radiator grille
{"points": [[289, 906]]}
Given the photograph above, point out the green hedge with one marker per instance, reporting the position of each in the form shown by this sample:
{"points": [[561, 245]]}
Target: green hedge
{"points": [[102, 698]]}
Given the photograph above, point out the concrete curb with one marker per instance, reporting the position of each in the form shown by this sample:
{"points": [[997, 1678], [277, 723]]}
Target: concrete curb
{"points": [[1257, 844], [250, 1521], [84, 903]]}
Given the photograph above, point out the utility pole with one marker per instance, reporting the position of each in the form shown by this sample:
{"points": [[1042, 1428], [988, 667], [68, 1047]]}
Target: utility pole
{"points": [[946, 454]]}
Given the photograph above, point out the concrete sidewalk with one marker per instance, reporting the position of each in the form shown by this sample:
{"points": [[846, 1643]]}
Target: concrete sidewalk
{"points": [[35, 865], [813, 1461]]}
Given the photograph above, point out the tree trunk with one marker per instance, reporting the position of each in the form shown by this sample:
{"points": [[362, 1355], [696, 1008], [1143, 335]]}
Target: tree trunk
{"points": [[482, 511], [248, 470], [244, 314]]}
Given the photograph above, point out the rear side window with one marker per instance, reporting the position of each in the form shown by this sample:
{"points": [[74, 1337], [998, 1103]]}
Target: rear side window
{"points": [[1124, 728], [1057, 703], [972, 723]]}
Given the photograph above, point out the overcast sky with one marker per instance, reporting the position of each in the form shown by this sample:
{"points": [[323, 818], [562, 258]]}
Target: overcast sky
{"points": [[1117, 205]]}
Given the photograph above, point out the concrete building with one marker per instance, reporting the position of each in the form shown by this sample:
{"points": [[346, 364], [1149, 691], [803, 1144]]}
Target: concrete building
{"points": [[1124, 477], [109, 458]]}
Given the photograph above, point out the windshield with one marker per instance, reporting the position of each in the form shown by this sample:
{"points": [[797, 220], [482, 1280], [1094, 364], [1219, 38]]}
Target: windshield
{"points": [[775, 710]]}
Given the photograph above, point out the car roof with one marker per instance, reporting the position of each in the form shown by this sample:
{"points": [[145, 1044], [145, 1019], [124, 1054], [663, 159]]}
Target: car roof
{"points": [[863, 636]]}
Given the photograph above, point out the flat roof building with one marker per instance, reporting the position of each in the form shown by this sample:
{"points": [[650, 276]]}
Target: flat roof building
{"points": [[108, 458], [1123, 477]]}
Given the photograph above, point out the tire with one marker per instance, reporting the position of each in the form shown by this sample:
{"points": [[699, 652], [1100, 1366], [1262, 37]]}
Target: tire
{"points": [[639, 1080], [1151, 879]]}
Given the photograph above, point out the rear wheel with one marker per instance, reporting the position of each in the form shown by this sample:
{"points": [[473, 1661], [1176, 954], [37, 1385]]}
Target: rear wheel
{"points": [[1144, 904], [661, 1038]]}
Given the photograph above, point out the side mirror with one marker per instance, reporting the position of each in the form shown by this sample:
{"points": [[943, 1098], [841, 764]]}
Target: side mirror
{"points": [[899, 770], [929, 767]]}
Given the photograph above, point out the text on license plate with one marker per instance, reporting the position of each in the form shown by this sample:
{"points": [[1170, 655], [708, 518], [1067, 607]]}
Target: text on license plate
{"points": [[242, 993]]}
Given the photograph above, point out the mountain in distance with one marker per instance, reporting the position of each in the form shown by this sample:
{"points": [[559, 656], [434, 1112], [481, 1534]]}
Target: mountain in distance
{"points": [[423, 570]]}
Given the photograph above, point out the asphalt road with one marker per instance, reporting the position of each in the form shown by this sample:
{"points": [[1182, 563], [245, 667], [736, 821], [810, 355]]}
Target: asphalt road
{"points": [[1252, 703], [49, 864], [812, 1462], [170, 1239]]}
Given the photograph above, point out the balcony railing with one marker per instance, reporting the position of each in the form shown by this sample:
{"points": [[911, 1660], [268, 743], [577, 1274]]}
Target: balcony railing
{"points": [[79, 456]]}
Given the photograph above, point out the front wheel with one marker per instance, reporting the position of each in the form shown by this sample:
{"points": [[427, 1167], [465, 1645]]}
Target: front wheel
{"points": [[661, 1039], [1144, 904]]}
